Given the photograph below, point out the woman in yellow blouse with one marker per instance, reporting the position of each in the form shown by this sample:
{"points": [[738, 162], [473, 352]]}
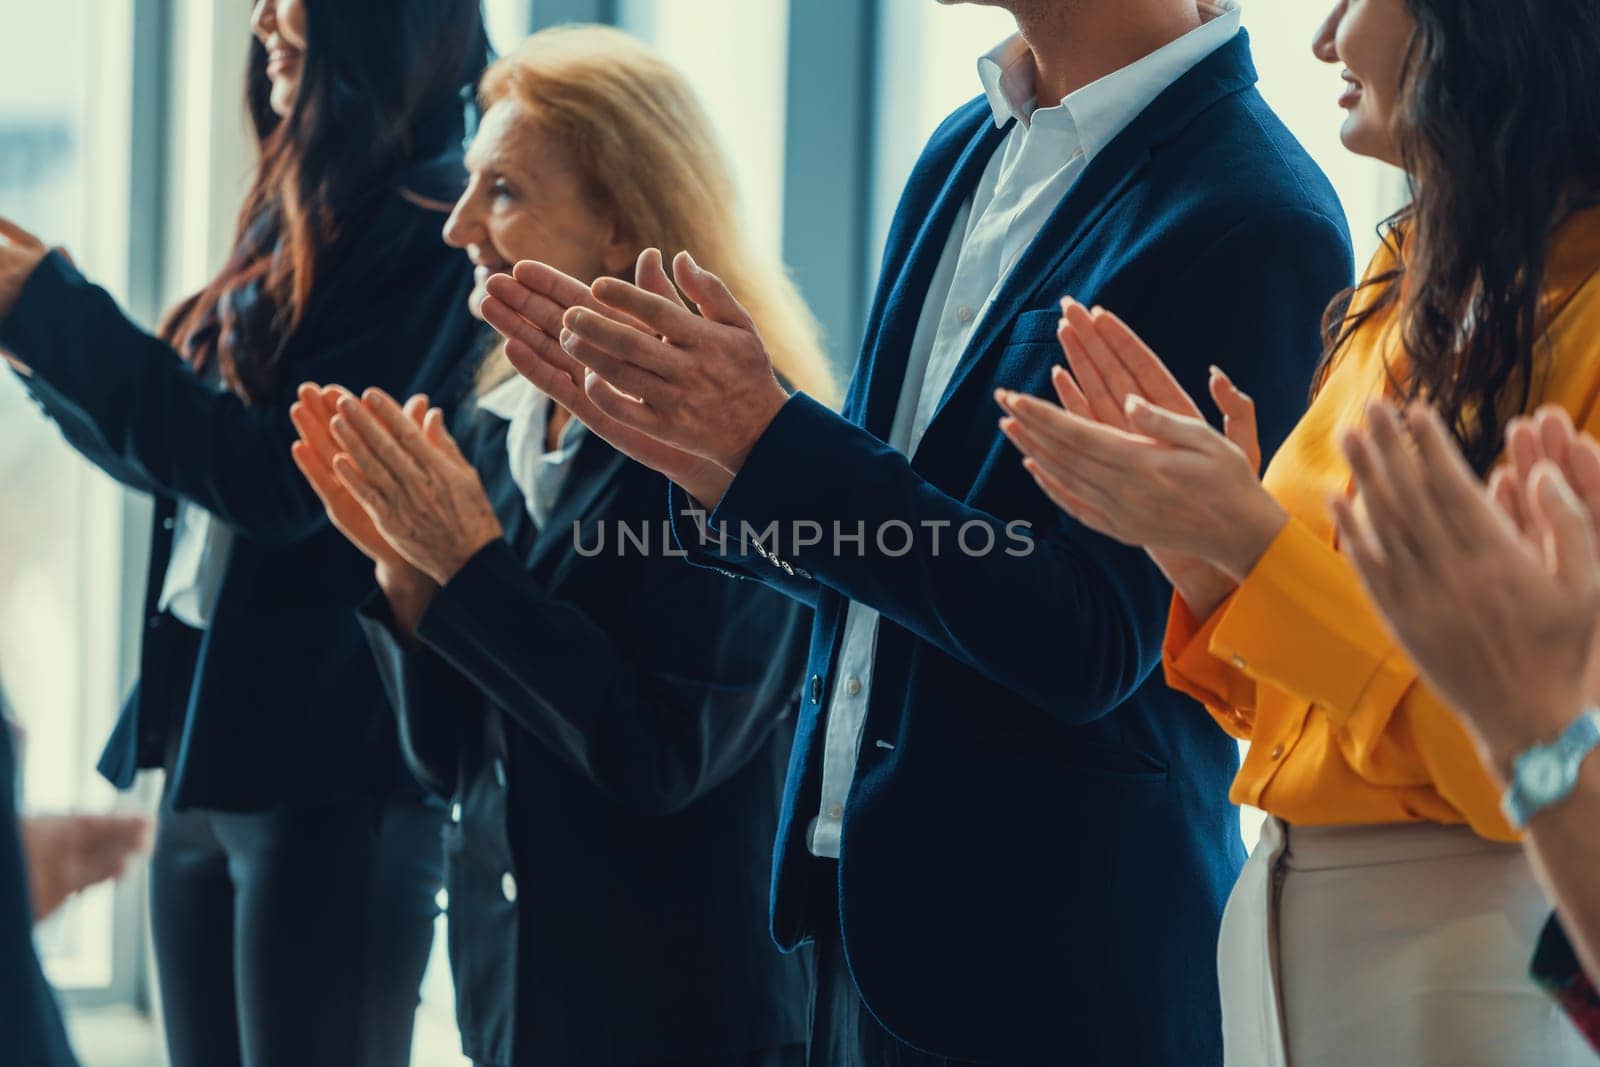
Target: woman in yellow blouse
{"points": [[1385, 918]]}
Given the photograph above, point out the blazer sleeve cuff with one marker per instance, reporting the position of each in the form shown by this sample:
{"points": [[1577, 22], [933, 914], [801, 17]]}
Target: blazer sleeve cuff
{"points": [[473, 598], [1227, 693], [1301, 622], [32, 325]]}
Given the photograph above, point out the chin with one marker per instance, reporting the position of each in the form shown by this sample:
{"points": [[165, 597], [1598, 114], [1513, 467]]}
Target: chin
{"points": [[282, 98], [475, 302]]}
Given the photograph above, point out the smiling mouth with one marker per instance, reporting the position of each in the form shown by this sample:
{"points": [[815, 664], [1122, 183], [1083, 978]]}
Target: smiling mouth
{"points": [[280, 62], [1352, 93]]}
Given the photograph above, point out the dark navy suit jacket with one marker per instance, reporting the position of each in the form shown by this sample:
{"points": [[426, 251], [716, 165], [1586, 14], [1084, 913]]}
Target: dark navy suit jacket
{"points": [[31, 1032], [1038, 844], [277, 702], [613, 727]]}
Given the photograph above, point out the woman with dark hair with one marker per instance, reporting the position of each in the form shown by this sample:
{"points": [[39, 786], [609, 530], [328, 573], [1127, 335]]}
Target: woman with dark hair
{"points": [[296, 862], [1387, 915]]}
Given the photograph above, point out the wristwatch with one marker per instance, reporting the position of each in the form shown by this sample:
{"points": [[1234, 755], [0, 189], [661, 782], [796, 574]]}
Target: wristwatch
{"points": [[1546, 775]]}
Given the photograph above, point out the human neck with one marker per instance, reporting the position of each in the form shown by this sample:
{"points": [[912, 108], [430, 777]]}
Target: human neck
{"points": [[1075, 44]]}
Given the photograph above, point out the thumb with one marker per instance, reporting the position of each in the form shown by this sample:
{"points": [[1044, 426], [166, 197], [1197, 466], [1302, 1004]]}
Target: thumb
{"points": [[1238, 415], [708, 292]]}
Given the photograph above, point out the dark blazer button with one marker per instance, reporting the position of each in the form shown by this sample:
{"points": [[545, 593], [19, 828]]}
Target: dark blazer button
{"points": [[816, 689], [153, 622], [500, 773]]}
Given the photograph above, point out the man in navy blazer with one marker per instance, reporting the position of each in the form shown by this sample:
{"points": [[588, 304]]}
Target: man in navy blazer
{"points": [[1010, 842]]}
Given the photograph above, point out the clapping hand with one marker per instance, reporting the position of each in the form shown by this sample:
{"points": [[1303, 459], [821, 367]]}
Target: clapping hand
{"points": [[1496, 605], [700, 384], [528, 308], [1129, 455], [67, 854]]}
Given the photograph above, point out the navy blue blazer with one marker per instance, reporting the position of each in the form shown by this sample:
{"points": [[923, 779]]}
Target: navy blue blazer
{"points": [[31, 1030], [277, 702], [613, 728], [1038, 844]]}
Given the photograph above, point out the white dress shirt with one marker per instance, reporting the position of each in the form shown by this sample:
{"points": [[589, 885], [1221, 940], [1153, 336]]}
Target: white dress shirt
{"points": [[201, 547], [1034, 168], [538, 472]]}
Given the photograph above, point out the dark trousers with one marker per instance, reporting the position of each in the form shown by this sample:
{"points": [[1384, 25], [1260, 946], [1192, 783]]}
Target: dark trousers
{"points": [[844, 1033], [787, 1056], [293, 937]]}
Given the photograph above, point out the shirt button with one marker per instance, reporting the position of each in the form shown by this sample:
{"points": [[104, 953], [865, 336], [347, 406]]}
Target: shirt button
{"points": [[455, 813], [167, 523], [441, 900], [508, 887], [853, 687], [500, 772], [964, 313], [1277, 752], [835, 811], [816, 689]]}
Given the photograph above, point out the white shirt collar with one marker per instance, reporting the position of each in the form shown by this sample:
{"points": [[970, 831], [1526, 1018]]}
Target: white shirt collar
{"points": [[1102, 109]]}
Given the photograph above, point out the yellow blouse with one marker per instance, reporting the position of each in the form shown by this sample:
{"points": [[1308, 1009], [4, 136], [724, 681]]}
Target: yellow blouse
{"points": [[1298, 662]]}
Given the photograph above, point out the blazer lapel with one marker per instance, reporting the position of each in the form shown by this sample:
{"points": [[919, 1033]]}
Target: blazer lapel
{"points": [[1116, 169], [875, 391]]}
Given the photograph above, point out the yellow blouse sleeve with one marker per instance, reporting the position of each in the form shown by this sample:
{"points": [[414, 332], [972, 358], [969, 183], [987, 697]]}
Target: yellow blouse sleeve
{"points": [[1227, 693], [1302, 623]]}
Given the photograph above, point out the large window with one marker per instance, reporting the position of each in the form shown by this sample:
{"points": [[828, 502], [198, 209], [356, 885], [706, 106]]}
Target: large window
{"points": [[735, 55], [64, 154]]}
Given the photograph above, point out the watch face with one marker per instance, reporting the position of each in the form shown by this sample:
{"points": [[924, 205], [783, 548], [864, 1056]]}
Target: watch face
{"points": [[1544, 775]]}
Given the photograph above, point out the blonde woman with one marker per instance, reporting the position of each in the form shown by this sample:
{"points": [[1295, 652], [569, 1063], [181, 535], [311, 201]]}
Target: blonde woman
{"points": [[611, 725]]}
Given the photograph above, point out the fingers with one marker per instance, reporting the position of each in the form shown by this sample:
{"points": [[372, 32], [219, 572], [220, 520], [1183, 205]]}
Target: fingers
{"points": [[311, 415], [613, 404], [1068, 392], [1151, 377], [1583, 474], [1385, 512], [1069, 439], [664, 316], [1450, 483], [650, 274], [16, 235], [1238, 416], [1507, 496], [1365, 553], [634, 361], [1418, 516], [1181, 431], [550, 369], [319, 473], [1066, 500], [1566, 528], [438, 435], [709, 293], [403, 423], [1091, 361], [383, 464]]}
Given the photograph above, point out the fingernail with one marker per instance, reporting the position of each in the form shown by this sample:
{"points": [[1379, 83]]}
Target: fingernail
{"points": [[568, 338]]}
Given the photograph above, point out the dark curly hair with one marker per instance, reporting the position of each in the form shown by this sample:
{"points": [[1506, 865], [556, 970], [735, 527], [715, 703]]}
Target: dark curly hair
{"points": [[1499, 128]]}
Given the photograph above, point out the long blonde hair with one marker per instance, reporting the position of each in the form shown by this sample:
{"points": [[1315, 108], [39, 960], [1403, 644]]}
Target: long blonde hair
{"points": [[648, 153]]}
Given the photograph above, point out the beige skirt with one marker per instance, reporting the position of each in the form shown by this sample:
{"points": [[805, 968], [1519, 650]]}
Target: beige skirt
{"points": [[1387, 946]]}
